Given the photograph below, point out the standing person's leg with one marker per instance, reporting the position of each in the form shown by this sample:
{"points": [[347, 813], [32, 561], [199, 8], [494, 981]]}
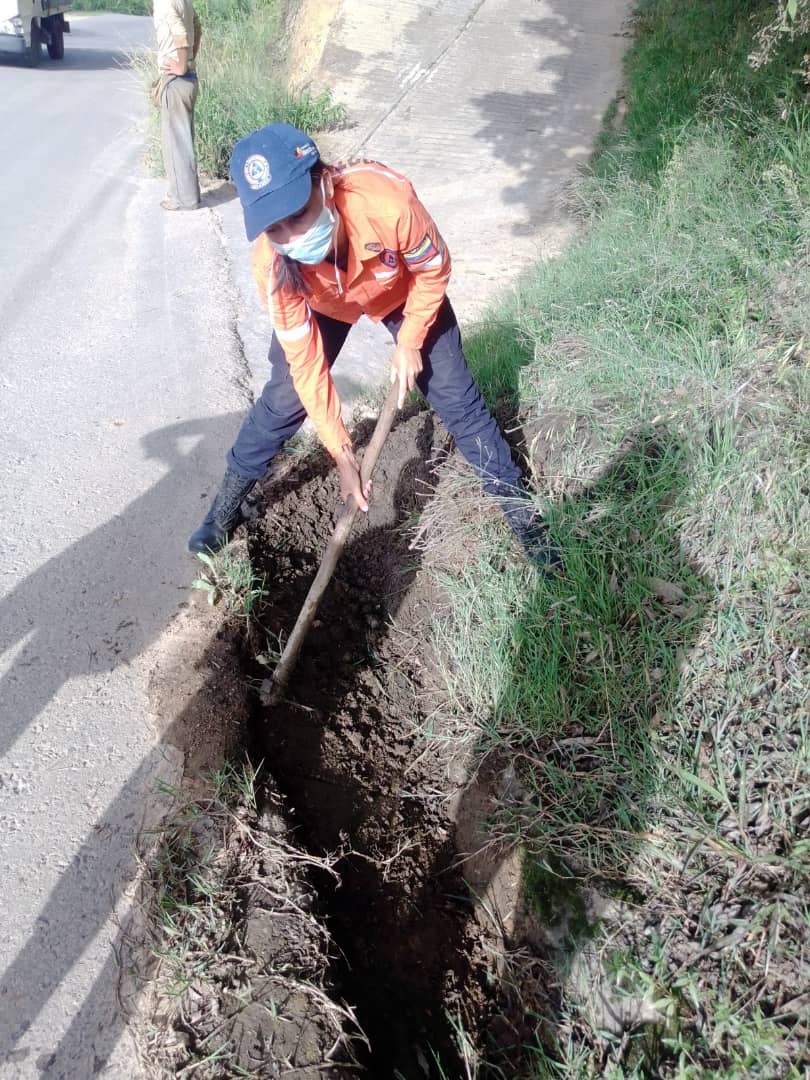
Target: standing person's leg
{"points": [[166, 141], [447, 383], [273, 419], [177, 139]]}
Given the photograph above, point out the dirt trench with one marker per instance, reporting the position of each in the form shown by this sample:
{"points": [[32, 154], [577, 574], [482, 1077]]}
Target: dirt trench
{"points": [[348, 751], [365, 775]]}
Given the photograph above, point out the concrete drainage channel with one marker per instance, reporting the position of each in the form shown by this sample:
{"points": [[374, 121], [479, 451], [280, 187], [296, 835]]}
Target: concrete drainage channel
{"points": [[366, 798]]}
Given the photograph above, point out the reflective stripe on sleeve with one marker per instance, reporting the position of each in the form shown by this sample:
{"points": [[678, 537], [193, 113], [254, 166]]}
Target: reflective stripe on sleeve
{"points": [[436, 261], [294, 334]]}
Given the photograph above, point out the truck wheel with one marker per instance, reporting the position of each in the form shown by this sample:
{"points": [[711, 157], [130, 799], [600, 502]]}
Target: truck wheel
{"points": [[34, 54], [56, 46]]}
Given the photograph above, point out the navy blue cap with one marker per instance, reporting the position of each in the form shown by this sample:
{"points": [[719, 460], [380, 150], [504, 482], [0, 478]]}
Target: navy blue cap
{"points": [[271, 168]]}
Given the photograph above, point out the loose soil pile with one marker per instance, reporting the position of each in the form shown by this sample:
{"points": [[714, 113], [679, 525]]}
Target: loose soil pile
{"points": [[228, 969]]}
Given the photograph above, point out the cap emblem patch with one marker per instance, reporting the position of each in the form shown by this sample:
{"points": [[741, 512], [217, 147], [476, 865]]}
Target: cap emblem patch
{"points": [[257, 171]]}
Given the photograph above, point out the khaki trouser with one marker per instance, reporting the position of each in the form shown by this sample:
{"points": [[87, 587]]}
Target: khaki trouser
{"points": [[177, 137]]}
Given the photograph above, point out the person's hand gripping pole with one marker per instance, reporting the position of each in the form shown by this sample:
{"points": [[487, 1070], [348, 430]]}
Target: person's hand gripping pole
{"points": [[406, 364], [351, 482]]}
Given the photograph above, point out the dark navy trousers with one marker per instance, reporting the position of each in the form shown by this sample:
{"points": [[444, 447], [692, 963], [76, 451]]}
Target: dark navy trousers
{"points": [[445, 380]]}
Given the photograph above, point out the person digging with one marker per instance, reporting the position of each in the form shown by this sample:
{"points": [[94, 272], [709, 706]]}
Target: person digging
{"points": [[332, 243]]}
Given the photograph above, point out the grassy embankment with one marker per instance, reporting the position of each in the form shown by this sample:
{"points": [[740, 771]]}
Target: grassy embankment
{"points": [[652, 702], [244, 81]]}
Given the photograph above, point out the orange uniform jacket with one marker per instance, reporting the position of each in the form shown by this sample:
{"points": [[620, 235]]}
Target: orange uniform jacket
{"points": [[396, 256]]}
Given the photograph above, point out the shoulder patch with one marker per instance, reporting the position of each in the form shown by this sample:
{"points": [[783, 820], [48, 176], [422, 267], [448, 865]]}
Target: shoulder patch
{"points": [[388, 257]]}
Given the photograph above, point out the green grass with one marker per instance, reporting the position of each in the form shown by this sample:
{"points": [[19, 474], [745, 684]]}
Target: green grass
{"points": [[244, 82], [689, 60], [652, 700], [229, 577], [117, 7]]}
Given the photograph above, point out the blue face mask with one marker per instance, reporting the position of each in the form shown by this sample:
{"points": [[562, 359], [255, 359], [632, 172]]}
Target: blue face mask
{"points": [[314, 245]]}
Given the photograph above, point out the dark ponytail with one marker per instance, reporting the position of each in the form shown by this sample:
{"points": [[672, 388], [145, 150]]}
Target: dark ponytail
{"points": [[287, 273]]}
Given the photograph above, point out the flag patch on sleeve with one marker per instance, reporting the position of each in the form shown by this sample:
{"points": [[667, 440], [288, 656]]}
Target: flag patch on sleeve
{"points": [[423, 251]]}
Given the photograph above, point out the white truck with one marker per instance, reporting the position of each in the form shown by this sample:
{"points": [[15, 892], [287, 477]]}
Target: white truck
{"points": [[27, 25]]}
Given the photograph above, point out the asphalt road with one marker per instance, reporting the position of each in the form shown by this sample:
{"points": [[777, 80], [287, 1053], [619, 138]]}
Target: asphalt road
{"points": [[119, 394]]}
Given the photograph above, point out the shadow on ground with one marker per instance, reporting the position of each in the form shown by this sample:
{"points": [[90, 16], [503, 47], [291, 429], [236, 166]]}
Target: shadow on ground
{"points": [[540, 132], [64, 627], [347, 750]]}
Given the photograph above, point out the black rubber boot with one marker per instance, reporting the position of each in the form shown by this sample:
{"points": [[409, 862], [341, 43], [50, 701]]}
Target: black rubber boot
{"points": [[532, 532], [224, 516]]}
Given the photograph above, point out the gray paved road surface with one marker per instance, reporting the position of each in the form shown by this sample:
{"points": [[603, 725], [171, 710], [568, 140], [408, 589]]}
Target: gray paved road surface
{"points": [[118, 398]]}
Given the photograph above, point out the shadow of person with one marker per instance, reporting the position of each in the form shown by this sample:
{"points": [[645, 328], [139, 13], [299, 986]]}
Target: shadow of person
{"points": [[96, 605], [76, 910], [559, 117], [94, 1036], [85, 613], [78, 59], [345, 757], [218, 193], [567, 766]]}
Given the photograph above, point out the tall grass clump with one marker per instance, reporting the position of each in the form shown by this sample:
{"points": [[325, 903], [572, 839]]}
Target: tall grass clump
{"points": [[244, 80], [689, 61], [651, 701]]}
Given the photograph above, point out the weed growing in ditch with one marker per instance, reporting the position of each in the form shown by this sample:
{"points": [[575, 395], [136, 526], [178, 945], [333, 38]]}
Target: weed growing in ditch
{"points": [[650, 704], [237, 985], [468, 1054], [229, 578]]}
